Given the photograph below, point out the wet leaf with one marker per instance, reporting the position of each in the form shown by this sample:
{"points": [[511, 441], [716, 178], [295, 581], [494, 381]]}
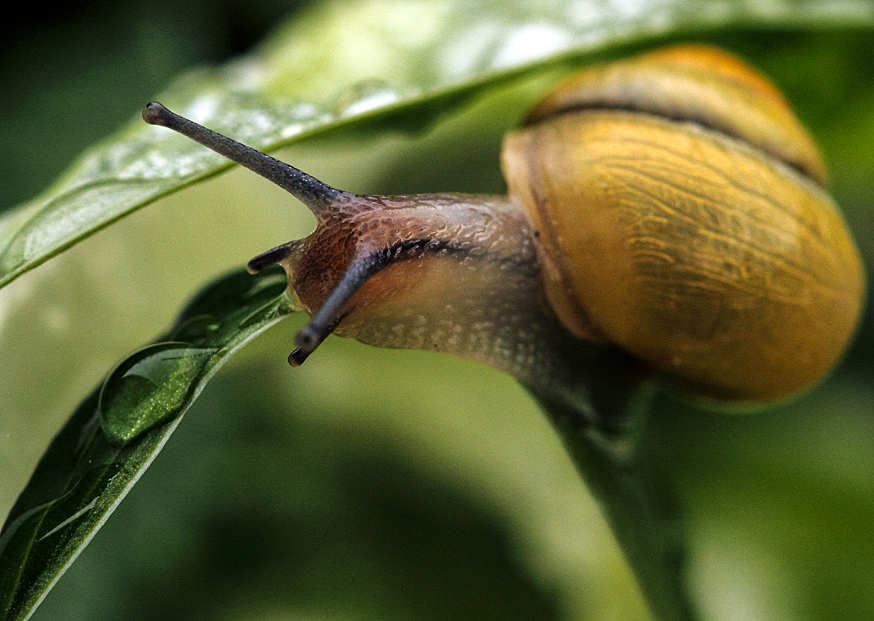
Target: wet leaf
{"points": [[376, 68], [119, 429]]}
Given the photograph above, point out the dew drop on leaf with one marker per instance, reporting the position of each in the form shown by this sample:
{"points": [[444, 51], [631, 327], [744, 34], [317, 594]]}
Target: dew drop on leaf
{"points": [[149, 388]]}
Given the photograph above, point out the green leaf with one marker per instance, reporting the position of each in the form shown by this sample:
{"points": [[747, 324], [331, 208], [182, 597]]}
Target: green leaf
{"points": [[401, 75], [117, 432]]}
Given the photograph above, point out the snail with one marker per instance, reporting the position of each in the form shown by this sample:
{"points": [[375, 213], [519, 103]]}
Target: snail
{"points": [[668, 208]]}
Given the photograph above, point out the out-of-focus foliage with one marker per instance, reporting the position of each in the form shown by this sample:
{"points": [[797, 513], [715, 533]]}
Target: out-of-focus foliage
{"points": [[72, 74]]}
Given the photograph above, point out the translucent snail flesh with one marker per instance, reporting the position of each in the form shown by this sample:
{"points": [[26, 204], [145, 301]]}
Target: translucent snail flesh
{"points": [[670, 207]]}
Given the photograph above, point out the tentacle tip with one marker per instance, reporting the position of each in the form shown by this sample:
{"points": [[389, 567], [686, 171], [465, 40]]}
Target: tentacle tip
{"points": [[271, 257], [254, 266], [307, 339], [297, 358], [154, 113]]}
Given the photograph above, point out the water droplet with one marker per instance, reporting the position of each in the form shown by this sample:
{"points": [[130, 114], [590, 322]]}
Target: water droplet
{"points": [[149, 388]]}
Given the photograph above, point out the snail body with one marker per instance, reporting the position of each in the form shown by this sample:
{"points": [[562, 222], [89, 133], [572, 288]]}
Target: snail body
{"points": [[668, 208]]}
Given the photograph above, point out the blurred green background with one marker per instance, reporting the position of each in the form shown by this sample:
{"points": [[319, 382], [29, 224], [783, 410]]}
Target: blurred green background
{"points": [[73, 74], [372, 484]]}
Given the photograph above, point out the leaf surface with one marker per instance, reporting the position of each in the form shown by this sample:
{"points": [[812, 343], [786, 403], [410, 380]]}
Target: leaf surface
{"points": [[117, 432], [402, 63]]}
